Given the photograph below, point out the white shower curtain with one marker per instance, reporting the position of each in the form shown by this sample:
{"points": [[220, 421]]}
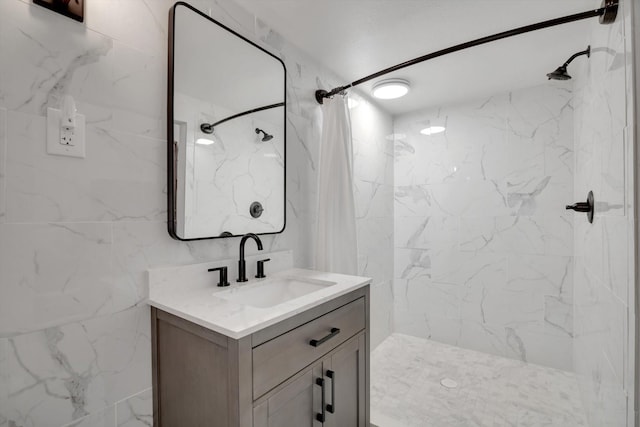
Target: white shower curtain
{"points": [[336, 246]]}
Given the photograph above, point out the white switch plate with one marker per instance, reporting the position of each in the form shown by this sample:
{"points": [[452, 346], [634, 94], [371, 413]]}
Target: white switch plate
{"points": [[65, 143]]}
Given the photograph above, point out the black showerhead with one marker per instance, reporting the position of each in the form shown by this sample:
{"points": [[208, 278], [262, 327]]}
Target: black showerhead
{"points": [[561, 72], [266, 136]]}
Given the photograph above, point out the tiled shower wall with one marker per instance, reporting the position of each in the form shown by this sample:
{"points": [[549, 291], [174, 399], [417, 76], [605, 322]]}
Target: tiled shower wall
{"points": [[604, 267], [77, 236], [483, 244], [373, 178], [239, 160]]}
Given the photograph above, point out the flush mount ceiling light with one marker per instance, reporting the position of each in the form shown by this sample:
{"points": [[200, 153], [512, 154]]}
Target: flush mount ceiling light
{"points": [[390, 89], [432, 130]]}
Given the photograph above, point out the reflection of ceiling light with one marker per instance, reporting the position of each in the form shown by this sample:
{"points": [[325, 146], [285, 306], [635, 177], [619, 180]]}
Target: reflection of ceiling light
{"points": [[432, 130], [271, 155], [352, 103], [390, 89], [204, 141]]}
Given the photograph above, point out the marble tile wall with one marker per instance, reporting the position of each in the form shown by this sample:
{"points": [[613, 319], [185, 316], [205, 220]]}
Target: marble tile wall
{"points": [[604, 265], [373, 178], [222, 180], [483, 246], [77, 236]]}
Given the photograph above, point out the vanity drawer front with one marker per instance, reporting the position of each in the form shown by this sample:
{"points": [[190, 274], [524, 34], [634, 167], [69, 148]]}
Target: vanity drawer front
{"points": [[278, 359]]}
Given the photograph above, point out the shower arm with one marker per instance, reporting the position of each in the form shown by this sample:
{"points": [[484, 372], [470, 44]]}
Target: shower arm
{"points": [[607, 13], [587, 52]]}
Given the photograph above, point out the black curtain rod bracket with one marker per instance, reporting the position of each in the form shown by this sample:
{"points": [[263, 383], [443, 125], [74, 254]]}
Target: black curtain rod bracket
{"points": [[607, 14]]}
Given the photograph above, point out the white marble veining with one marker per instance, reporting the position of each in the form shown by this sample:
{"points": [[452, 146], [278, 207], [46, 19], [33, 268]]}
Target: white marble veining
{"points": [[77, 237], [604, 291], [373, 182], [483, 246], [110, 214], [45, 269], [190, 293], [63, 374], [220, 181], [406, 389], [104, 418], [136, 411], [115, 160]]}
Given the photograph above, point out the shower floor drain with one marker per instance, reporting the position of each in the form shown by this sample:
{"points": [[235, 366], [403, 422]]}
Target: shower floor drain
{"points": [[448, 383]]}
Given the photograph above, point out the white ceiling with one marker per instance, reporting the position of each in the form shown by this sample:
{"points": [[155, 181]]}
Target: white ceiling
{"points": [[355, 38]]}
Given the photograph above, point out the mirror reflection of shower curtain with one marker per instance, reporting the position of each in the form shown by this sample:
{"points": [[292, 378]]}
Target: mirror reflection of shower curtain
{"points": [[336, 246]]}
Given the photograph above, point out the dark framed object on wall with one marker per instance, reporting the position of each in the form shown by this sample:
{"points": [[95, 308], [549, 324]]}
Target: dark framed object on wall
{"points": [[226, 131], [73, 9]]}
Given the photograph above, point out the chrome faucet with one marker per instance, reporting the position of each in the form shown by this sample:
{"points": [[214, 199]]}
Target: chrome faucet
{"points": [[242, 265]]}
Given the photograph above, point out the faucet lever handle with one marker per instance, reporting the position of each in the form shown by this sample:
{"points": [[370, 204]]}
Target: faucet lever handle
{"points": [[260, 272], [223, 275]]}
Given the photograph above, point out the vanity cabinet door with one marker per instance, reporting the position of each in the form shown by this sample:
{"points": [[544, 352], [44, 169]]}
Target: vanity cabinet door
{"points": [[295, 404], [346, 384], [278, 359]]}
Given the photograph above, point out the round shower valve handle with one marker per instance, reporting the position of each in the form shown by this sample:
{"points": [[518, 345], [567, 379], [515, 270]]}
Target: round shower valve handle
{"points": [[256, 209], [586, 207], [579, 207]]}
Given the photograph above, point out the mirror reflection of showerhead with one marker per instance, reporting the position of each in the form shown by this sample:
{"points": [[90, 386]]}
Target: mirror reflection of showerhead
{"points": [[561, 72], [266, 136]]}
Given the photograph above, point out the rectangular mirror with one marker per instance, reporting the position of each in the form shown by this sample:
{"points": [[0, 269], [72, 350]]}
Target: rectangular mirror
{"points": [[226, 133]]}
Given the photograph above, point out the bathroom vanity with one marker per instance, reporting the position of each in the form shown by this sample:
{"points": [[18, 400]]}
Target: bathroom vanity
{"points": [[290, 350]]}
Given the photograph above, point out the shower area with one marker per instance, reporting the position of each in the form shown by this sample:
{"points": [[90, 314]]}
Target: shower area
{"points": [[501, 307], [483, 265]]}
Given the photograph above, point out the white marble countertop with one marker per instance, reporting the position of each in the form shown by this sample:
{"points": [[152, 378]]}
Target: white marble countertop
{"points": [[178, 291]]}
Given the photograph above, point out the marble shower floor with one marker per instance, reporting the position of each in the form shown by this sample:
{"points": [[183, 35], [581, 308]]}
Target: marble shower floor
{"points": [[492, 390]]}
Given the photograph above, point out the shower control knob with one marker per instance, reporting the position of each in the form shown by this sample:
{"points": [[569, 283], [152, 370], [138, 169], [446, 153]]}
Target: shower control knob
{"points": [[256, 209], [586, 207], [579, 207]]}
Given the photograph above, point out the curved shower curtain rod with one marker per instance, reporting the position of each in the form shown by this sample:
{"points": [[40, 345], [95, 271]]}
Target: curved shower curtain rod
{"points": [[208, 127], [607, 13]]}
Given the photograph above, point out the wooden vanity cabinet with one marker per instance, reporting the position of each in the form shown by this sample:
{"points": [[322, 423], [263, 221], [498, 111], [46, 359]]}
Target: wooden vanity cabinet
{"points": [[341, 377], [348, 365], [275, 377]]}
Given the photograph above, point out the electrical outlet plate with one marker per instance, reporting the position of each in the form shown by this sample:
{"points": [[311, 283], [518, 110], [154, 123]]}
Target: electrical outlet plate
{"points": [[61, 142]]}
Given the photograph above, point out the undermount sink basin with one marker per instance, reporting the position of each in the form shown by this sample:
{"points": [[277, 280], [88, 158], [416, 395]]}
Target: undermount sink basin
{"points": [[271, 292]]}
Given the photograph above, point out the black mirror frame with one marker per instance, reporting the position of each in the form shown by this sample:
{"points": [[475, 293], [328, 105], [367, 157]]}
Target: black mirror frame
{"points": [[171, 149]]}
